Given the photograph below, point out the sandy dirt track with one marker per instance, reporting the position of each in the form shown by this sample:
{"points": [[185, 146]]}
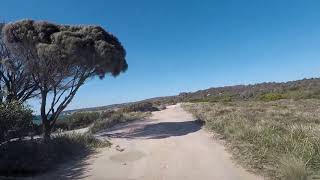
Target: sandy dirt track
{"points": [[168, 146]]}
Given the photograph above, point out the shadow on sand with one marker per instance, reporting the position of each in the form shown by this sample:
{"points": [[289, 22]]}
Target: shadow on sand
{"points": [[72, 170], [153, 130]]}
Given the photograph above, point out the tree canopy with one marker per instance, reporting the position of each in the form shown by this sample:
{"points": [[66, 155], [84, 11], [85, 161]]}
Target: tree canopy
{"points": [[60, 58], [89, 47], [15, 84]]}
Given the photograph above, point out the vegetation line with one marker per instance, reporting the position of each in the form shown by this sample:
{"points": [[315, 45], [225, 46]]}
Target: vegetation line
{"points": [[279, 139]]}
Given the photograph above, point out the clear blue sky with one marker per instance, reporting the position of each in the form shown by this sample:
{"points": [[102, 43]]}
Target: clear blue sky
{"points": [[177, 46]]}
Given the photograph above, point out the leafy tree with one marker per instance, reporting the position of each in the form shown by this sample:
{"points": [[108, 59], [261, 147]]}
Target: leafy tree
{"points": [[15, 84], [60, 58]]}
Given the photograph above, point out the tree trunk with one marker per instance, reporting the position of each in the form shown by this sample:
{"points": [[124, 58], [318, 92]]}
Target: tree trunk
{"points": [[46, 130], [45, 121]]}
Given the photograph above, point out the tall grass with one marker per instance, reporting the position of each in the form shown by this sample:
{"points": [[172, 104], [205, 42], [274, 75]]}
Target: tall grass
{"points": [[293, 168], [261, 134]]}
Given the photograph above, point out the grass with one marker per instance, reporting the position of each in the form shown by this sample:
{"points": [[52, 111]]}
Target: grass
{"points": [[115, 118], [77, 120], [24, 158], [292, 168], [30, 157], [279, 139]]}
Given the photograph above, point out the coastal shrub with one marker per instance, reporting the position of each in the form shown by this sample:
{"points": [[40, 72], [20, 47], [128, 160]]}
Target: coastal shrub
{"points": [[139, 107], [15, 120], [272, 96]]}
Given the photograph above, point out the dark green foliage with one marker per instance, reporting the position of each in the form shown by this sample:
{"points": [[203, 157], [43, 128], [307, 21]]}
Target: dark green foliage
{"points": [[139, 107], [272, 96], [79, 46], [15, 121], [21, 158], [15, 84]]}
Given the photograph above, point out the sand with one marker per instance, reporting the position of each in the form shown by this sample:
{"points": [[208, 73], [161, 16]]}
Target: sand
{"points": [[170, 145]]}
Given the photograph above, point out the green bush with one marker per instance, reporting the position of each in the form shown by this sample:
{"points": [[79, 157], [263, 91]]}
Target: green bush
{"points": [[139, 107], [15, 121], [22, 158], [272, 96]]}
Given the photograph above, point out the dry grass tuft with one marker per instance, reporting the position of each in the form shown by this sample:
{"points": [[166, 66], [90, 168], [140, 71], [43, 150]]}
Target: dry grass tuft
{"points": [[293, 168]]}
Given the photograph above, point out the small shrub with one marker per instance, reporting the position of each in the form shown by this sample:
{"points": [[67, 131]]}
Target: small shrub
{"points": [[226, 99], [15, 121], [139, 107], [272, 97]]}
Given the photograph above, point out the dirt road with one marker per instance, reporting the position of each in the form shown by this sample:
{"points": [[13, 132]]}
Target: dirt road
{"points": [[168, 146]]}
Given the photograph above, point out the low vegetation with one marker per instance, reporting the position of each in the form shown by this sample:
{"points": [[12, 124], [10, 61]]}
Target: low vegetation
{"points": [[139, 107], [21, 158], [76, 120], [280, 139], [111, 119], [271, 91], [272, 96], [301, 89], [105, 119]]}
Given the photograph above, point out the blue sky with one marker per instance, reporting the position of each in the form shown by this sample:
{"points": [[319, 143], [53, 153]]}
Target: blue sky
{"points": [[179, 46]]}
